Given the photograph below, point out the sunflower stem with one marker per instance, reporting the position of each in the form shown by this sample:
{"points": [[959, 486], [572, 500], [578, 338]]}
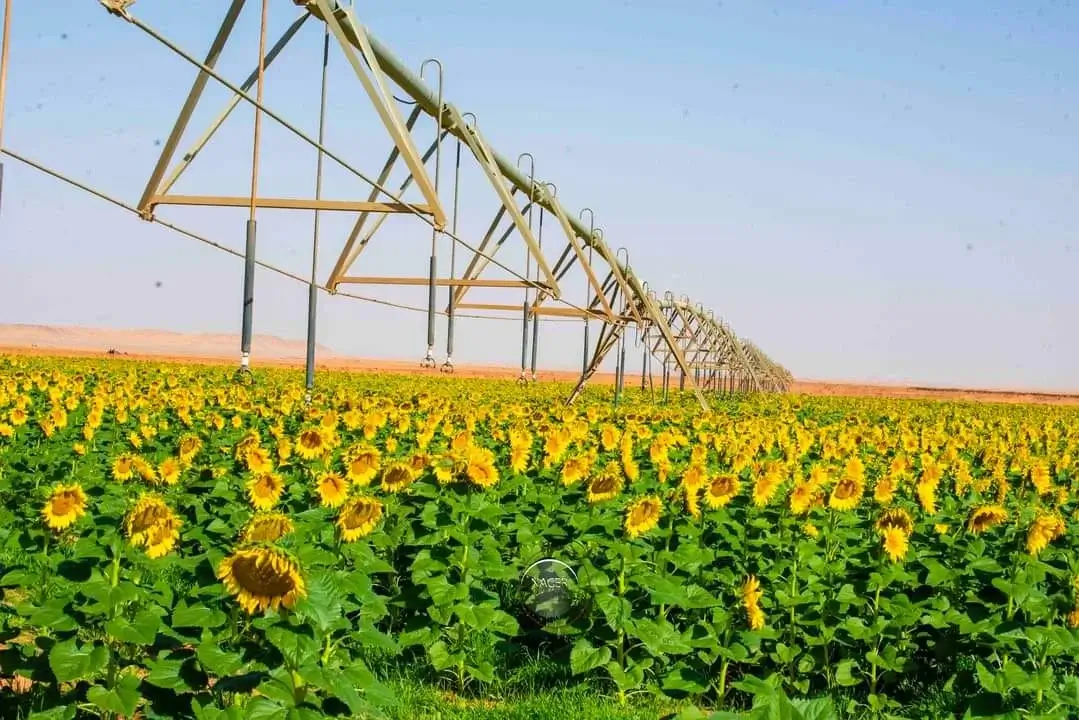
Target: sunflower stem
{"points": [[621, 630], [721, 692]]}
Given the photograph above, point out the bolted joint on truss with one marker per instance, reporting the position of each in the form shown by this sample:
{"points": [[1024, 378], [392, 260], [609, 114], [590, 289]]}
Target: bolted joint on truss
{"points": [[118, 8]]}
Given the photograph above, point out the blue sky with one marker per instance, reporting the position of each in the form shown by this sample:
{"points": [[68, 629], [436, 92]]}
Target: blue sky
{"points": [[869, 191]]}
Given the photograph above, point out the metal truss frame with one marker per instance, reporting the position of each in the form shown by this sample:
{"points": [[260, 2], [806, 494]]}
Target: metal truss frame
{"points": [[708, 355]]}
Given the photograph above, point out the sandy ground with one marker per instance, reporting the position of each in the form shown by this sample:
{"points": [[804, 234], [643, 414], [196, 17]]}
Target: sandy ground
{"points": [[268, 350]]}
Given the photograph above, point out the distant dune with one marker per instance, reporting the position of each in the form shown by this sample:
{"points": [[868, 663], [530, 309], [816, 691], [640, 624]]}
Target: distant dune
{"points": [[152, 342]]}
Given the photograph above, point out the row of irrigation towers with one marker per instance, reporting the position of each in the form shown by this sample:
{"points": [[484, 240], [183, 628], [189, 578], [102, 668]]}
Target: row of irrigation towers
{"points": [[682, 341]]}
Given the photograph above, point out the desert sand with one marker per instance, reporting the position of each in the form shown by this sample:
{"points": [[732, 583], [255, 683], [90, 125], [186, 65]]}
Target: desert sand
{"points": [[269, 350]]}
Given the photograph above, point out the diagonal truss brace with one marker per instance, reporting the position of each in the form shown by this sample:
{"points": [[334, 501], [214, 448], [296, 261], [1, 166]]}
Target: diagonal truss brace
{"points": [[481, 257], [351, 250], [578, 250], [375, 87], [486, 159], [188, 157], [145, 205], [653, 315]]}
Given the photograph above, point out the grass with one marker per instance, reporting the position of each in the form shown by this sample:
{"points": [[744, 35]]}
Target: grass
{"points": [[418, 701]]}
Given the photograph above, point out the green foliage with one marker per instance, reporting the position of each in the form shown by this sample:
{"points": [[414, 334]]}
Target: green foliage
{"points": [[100, 627]]}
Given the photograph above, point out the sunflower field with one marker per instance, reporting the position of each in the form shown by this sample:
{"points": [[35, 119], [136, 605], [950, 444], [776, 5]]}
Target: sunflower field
{"points": [[174, 543]]}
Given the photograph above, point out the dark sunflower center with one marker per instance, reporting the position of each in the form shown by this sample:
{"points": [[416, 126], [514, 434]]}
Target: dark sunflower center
{"points": [[845, 489], [604, 485], [359, 514], [147, 518], [63, 504], [262, 579]]}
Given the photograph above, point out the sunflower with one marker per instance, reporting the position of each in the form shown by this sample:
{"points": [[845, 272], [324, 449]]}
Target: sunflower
{"points": [[481, 468], [884, 491], [1039, 477], [722, 490], [419, 463], [162, 538], [811, 530], [766, 485], [985, 517], [519, 458], [895, 542], [358, 517], [123, 467], [803, 497], [461, 442], [629, 464], [1046, 528], [362, 464], [312, 443], [66, 504], [144, 469], [608, 437], [896, 518], [258, 460], [605, 486], [576, 468], [642, 515], [397, 476], [169, 471], [152, 524], [266, 527], [751, 597], [265, 490], [693, 501], [332, 489], [846, 494], [189, 448], [262, 578], [926, 490], [695, 477]]}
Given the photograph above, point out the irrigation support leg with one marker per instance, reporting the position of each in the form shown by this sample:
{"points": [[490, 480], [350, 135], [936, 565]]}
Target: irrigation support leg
{"points": [[620, 368], [249, 295], [584, 357], [429, 359], [524, 340], [535, 345]]}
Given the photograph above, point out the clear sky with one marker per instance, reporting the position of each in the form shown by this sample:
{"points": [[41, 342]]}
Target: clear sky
{"points": [[869, 191]]}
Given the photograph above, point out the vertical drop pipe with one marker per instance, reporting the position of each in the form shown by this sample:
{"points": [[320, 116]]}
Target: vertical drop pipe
{"points": [[450, 309], [312, 288], [528, 264], [5, 38], [249, 248], [432, 278]]}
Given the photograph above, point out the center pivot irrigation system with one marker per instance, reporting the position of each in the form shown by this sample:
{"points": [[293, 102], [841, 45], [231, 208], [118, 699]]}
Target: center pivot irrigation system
{"points": [[681, 336]]}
